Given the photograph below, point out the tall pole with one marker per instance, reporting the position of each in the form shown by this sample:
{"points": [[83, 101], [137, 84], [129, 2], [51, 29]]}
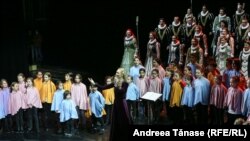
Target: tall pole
{"points": [[137, 33]]}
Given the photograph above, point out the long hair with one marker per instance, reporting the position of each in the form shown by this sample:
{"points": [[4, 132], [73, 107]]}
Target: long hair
{"points": [[12, 85], [121, 78], [31, 79]]}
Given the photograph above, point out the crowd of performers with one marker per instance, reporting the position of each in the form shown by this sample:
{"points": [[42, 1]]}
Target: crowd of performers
{"points": [[199, 66], [29, 105]]}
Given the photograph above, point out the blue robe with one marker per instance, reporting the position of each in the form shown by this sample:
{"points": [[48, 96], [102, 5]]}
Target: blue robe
{"points": [[6, 97], [68, 110], [134, 72], [2, 114], [229, 74], [97, 103], [188, 96], [193, 68], [133, 92], [246, 103], [166, 89], [57, 100], [202, 90]]}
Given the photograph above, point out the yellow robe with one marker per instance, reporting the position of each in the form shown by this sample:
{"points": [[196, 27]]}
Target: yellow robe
{"points": [[67, 85], [176, 94], [47, 92], [109, 96], [38, 83], [210, 77]]}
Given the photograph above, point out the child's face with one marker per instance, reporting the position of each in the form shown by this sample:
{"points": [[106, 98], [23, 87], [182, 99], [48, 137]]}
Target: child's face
{"points": [[234, 65], [29, 83], [229, 64], [68, 96], [154, 74], [168, 73], [217, 80], [60, 86], [186, 71], [155, 64], [94, 88], [176, 76], [187, 81], [108, 81], [192, 59], [46, 78], [198, 73], [20, 79], [39, 75], [67, 77], [137, 61], [77, 79], [4, 84], [15, 87], [129, 80], [142, 74], [233, 83]]}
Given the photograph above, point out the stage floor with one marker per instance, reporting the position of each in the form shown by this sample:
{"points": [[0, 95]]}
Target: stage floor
{"points": [[51, 136], [83, 135]]}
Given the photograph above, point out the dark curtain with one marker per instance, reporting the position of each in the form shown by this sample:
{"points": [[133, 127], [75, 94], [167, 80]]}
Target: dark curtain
{"points": [[13, 51]]}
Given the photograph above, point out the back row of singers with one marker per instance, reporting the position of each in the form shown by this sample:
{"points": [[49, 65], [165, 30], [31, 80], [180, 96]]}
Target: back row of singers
{"points": [[205, 28]]}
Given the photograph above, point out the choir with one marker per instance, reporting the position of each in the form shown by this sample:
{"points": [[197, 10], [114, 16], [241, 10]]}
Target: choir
{"points": [[201, 67]]}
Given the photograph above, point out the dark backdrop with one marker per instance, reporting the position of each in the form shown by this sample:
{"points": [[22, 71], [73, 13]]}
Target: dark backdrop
{"points": [[81, 36], [13, 53]]}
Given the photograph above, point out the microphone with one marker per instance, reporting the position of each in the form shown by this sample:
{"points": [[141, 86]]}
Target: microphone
{"points": [[137, 20]]}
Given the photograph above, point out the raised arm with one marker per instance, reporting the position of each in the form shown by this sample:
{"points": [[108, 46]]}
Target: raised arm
{"points": [[101, 86]]}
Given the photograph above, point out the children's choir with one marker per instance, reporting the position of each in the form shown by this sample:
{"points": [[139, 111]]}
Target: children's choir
{"points": [[195, 89]]}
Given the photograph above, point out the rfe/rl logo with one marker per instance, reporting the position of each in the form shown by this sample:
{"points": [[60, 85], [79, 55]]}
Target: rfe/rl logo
{"points": [[227, 132]]}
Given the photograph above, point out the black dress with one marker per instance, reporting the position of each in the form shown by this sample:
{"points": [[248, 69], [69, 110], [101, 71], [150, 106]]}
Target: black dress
{"points": [[121, 118]]}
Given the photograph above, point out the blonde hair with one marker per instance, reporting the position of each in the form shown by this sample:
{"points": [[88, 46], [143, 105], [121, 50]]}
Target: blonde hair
{"points": [[123, 76]]}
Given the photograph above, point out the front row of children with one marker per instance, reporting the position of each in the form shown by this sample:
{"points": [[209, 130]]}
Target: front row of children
{"points": [[29, 103]]}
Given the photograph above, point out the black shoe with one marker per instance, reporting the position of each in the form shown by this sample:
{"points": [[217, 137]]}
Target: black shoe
{"points": [[93, 130], [101, 132], [29, 130], [68, 134], [7, 131], [59, 131], [107, 124]]}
